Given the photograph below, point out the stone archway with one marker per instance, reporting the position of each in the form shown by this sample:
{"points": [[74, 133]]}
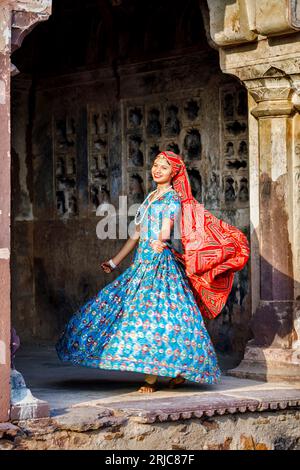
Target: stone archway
{"points": [[262, 50]]}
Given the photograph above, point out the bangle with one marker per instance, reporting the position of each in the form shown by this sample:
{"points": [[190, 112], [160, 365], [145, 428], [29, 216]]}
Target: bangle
{"points": [[112, 264]]}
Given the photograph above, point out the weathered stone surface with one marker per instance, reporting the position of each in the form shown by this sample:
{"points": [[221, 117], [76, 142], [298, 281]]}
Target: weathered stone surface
{"points": [[238, 432], [23, 404], [236, 22], [192, 406], [87, 418], [8, 430]]}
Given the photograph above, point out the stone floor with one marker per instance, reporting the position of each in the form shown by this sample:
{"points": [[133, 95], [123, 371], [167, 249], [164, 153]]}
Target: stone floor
{"points": [[102, 410], [66, 387]]}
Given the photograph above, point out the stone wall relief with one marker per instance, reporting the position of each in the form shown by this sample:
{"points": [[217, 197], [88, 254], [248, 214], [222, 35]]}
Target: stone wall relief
{"points": [[98, 151], [169, 123], [65, 171], [234, 165]]}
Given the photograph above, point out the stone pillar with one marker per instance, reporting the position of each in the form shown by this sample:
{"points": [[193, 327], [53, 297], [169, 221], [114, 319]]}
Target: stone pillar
{"points": [[274, 353], [17, 18], [4, 212], [259, 43]]}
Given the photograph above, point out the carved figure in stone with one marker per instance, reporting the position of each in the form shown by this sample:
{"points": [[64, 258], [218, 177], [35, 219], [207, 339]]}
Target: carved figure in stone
{"points": [[104, 162], [61, 202], [135, 153], [62, 137], [135, 117], [71, 127], [192, 110], [104, 194], [196, 183], [243, 191], [60, 167], [213, 191], [154, 150], [100, 144], [95, 165], [136, 188], [236, 127], [94, 192], [192, 144], [71, 167], [103, 127], [228, 105], [100, 123], [229, 152], [172, 121], [229, 190], [95, 120], [72, 205], [154, 125], [243, 149]]}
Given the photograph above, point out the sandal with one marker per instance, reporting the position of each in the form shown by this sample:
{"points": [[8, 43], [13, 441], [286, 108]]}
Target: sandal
{"points": [[176, 382], [152, 387]]}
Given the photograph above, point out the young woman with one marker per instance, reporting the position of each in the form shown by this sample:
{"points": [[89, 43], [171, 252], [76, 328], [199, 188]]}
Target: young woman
{"points": [[148, 319]]}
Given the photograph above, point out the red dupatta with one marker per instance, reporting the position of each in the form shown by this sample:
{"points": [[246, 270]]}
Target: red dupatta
{"points": [[213, 249]]}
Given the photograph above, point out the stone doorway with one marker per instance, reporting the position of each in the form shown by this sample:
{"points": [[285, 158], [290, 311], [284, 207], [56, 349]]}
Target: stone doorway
{"points": [[258, 45], [89, 112]]}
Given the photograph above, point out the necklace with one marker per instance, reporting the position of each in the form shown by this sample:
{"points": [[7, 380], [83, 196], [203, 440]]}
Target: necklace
{"points": [[157, 196]]}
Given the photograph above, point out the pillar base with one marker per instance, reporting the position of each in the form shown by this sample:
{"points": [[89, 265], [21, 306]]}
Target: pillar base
{"points": [[269, 364], [23, 404]]}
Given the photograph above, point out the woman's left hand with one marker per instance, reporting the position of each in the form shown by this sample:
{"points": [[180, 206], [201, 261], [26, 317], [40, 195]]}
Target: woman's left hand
{"points": [[158, 246]]}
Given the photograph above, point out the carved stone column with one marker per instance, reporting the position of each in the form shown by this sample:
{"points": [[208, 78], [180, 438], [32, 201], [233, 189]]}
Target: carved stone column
{"points": [[274, 352], [4, 213], [259, 43], [17, 18]]}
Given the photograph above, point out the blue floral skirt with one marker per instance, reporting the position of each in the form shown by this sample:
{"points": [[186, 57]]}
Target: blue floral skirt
{"points": [[146, 321]]}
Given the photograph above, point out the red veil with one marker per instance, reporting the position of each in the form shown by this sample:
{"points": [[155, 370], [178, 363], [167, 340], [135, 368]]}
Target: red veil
{"points": [[213, 249]]}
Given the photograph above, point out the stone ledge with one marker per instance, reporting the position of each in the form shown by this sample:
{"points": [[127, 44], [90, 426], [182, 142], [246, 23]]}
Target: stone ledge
{"points": [[195, 406], [77, 419], [223, 420], [8, 430], [34, 410]]}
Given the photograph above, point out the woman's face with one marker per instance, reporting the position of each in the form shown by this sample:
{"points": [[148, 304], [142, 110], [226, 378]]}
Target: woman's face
{"points": [[161, 171]]}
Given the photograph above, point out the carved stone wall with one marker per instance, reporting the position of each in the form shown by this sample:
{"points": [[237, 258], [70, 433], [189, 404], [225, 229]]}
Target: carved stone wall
{"points": [[234, 136], [171, 121], [98, 153], [64, 163], [91, 133], [103, 147]]}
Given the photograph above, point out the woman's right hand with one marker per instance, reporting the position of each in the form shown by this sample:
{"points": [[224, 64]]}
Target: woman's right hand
{"points": [[158, 246], [106, 267]]}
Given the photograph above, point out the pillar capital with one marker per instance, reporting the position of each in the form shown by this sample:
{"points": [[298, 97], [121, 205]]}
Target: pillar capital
{"points": [[275, 93]]}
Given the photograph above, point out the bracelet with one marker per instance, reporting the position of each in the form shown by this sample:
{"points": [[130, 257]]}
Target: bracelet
{"points": [[112, 264]]}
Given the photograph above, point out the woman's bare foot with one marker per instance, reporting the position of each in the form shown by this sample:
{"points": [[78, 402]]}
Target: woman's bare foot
{"points": [[148, 388], [176, 381]]}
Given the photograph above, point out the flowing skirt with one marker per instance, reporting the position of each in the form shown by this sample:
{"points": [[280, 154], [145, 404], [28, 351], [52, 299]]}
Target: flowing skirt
{"points": [[145, 321]]}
